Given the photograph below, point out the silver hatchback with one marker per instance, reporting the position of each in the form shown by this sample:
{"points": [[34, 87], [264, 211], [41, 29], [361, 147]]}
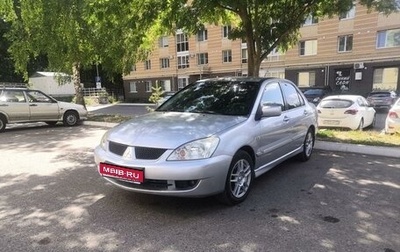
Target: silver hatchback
{"points": [[23, 105], [214, 137]]}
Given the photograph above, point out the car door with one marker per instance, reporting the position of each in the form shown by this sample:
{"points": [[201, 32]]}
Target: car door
{"points": [[295, 115], [41, 106], [14, 105], [272, 138]]}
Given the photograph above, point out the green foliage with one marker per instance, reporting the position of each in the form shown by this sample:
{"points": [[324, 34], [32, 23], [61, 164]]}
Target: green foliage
{"points": [[156, 94], [264, 24]]}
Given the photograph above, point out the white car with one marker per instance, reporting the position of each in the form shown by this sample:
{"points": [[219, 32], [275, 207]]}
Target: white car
{"points": [[345, 111], [22, 105], [392, 123]]}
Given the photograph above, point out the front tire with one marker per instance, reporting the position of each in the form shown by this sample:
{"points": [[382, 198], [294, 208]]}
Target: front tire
{"points": [[239, 179], [308, 146], [71, 118], [3, 123]]}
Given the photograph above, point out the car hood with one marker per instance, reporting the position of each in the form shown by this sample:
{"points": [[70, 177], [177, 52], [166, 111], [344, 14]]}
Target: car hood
{"points": [[169, 130]]}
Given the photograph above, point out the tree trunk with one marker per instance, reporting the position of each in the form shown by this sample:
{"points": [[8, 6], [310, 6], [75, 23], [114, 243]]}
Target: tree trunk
{"points": [[77, 84]]}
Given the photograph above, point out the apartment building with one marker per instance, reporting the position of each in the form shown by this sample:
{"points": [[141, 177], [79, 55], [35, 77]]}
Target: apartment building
{"points": [[355, 52]]}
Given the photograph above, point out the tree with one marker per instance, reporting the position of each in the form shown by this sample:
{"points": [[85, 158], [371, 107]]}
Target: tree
{"points": [[76, 34], [263, 24]]}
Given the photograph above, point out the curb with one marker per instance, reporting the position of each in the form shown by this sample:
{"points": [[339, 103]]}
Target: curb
{"points": [[393, 152]]}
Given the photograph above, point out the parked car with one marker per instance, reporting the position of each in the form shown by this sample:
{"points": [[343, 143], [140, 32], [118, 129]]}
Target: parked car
{"points": [[315, 94], [392, 122], [211, 138], [345, 111], [382, 99], [22, 105]]}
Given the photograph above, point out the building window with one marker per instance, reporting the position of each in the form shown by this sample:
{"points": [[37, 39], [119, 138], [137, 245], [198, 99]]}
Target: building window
{"points": [[132, 87], [349, 14], [147, 86], [385, 78], [311, 20], [202, 35], [163, 42], [306, 79], [388, 38], [202, 58], [133, 68], [147, 65], [308, 47], [227, 56], [345, 43], [164, 63], [275, 74], [225, 31], [183, 62], [244, 55], [182, 82], [182, 43]]}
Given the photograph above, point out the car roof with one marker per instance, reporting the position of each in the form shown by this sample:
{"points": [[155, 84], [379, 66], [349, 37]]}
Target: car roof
{"points": [[241, 78], [348, 97]]}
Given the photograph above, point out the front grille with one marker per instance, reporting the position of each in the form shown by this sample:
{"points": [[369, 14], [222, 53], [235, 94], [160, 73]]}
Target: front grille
{"points": [[148, 153], [148, 184], [117, 148], [140, 152], [159, 185]]}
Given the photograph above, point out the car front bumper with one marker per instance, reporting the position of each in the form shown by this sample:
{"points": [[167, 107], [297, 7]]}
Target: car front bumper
{"points": [[193, 178]]}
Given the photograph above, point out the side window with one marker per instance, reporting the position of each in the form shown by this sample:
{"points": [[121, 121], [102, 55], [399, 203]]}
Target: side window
{"points": [[36, 96], [12, 96], [272, 96], [292, 97]]}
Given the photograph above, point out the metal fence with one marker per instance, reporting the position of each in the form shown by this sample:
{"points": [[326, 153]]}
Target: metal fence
{"points": [[94, 92]]}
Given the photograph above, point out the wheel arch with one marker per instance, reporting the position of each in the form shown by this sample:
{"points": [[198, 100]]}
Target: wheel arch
{"points": [[2, 115], [250, 151]]}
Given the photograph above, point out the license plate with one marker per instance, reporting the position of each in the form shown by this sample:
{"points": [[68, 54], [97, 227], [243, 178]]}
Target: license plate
{"points": [[115, 171], [331, 122]]}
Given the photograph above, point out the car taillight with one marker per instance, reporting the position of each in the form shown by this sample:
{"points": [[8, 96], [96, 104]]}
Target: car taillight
{"points": [[393, 115], [351, 111]]}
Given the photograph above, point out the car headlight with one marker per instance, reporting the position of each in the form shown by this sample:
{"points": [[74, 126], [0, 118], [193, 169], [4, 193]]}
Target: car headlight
{"points": [[199, 149], [316, 99], [104, 142]]}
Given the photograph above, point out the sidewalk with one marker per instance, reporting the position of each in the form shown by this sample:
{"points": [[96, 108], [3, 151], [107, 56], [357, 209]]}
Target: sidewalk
{"points": [[393, 152]]}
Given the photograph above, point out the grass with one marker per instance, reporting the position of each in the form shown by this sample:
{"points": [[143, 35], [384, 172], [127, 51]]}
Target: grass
{"points": [[359, 137], [369, 137]]}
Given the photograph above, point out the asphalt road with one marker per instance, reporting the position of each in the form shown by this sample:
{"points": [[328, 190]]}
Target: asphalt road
{"points": [[140, 109], [52, 199]]}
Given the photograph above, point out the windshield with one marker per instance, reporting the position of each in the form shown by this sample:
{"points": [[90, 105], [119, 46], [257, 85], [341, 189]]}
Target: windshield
{"points": [[214, 97], [335, 103], [314, 92]]}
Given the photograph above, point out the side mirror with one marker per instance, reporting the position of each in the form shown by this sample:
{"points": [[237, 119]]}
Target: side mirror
{"points": [[271, 111]]}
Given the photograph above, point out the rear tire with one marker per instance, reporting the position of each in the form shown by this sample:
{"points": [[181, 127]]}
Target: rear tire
{"points": [[361, 125], [71, 118], [239, 179], [308, 146], [3, 123]]}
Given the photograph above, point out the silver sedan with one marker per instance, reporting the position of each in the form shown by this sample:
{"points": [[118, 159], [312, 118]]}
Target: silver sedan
{"points": [[211, 138]]}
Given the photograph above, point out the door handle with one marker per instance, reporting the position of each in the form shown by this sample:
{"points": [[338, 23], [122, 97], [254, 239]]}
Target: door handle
{"points": [[32, 105], [286, 119]]}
